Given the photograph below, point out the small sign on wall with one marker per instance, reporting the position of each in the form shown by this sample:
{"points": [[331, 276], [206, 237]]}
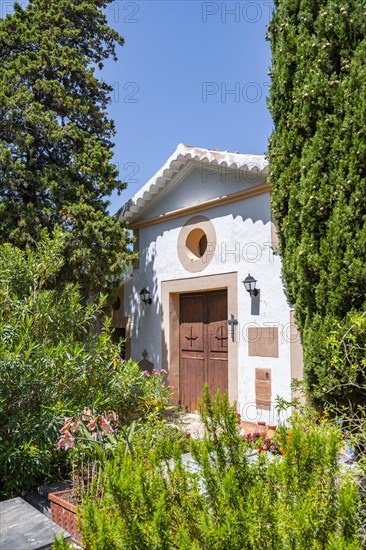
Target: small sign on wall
{"points": [[263, 388], [263, 341]]}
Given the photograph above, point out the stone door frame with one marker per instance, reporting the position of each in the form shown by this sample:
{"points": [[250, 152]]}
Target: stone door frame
{"points": [[170, 292]]}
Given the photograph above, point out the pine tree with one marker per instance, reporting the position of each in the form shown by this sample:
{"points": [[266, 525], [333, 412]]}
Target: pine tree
{"points": [[56, 138], [317, 163]]}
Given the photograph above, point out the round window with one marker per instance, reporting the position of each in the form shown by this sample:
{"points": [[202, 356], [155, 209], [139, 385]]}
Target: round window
{"points": [[193, 250], [196, 243]]}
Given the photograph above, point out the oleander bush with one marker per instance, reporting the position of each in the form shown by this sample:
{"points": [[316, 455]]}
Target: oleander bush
{"points": [[296, 500], [53, 363]]}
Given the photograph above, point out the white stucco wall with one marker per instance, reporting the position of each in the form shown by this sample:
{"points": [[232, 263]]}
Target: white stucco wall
{"points": [[243, 231], [202, 183]]}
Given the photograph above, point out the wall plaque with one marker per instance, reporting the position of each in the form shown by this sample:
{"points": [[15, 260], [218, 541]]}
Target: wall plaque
{"points": [[263, 341], [263, 388]]}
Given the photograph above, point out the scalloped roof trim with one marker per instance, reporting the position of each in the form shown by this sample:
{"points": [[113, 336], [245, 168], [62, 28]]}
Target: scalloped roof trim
{"points": [[180, 158]]}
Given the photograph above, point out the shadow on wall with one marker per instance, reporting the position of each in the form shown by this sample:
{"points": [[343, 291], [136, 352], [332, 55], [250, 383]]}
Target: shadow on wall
{"points": [[244, 211], [145, 319]]}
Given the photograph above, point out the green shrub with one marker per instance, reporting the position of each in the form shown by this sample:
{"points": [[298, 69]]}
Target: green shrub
{"points": [[336, 350], [53, 364], [61, 544], [295, 501], [317, 164]]}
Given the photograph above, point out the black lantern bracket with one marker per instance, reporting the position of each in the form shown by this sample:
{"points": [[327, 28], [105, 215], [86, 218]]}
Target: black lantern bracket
{"points": [[145, 296], [250, 285]]}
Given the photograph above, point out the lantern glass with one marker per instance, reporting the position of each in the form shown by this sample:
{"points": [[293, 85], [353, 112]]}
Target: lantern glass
{"points": [[249, 284], [145, 296]]}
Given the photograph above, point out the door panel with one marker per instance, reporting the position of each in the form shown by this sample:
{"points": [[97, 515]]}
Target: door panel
{"points": [[191, 381], [191, 326], [192, 355], [217, 342], [218, 378], [203, 345]]}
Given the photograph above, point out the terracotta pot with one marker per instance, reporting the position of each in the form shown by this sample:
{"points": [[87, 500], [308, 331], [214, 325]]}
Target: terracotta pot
{"points": [[262, 428], [249, 427], [271, 430], [64, 512]]}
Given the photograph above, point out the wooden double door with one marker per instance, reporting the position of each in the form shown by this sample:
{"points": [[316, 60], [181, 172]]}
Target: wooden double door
{"points": [[203, 345]]}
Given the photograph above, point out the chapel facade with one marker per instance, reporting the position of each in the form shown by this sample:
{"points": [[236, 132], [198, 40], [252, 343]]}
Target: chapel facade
{"points": [[206, 301]]}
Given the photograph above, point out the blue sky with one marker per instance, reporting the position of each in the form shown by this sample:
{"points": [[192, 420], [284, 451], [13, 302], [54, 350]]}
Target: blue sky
{"points": [[190, 72]]}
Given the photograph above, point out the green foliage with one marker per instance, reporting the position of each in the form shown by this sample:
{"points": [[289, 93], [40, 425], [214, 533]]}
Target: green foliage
{"points": [[317, 157], [336, 350], [52, 364], [298, 501], [61, 544], [55, 136]]}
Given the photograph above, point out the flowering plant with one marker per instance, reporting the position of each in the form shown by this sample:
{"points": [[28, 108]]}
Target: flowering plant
{"points": [[251, 437], [271, 446], [91, 439], [74, 427], [262, 445], [155, 372]]}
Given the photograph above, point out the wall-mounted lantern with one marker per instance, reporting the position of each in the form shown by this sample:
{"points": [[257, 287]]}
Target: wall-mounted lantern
{"points": [[145, 296], [250, 283]]}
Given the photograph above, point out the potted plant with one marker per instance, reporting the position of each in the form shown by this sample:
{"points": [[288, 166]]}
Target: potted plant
{"points": [[90, 439]]}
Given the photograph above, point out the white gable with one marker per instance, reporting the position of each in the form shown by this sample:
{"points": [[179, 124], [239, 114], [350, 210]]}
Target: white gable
{"points": [[220, 173]]}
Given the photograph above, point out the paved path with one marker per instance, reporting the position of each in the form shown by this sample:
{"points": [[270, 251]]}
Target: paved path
{"points": [[191, 423], [22, 527]]}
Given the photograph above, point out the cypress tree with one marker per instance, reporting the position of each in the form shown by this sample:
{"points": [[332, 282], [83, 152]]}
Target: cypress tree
{"points": [[317, 160], [56, 138]]}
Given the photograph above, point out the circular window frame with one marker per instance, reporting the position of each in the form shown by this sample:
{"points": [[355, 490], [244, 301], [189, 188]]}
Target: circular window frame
{"points": [[194, 243], [189, 240]]}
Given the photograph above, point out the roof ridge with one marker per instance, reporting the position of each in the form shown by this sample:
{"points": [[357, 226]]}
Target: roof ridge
{"points": [[183, 154]]}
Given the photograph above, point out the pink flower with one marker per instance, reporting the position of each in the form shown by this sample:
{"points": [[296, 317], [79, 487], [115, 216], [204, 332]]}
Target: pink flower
{"points": [[67, 423], [112, 417], [163, 371], [146, 374], [66, 440], [261, 449], [75, 425], [86, 414], [105, 426], [92, 425], [156, 372], [71, 424]]}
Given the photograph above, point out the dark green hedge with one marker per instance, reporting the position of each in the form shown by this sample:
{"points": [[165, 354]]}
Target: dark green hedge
{"points": [[317, 156]]}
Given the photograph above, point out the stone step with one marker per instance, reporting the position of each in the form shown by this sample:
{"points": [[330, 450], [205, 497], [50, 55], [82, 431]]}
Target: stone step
{"points": [[22, 527]]}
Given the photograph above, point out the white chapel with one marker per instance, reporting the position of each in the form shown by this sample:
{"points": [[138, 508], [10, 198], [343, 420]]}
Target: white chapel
{"points": [[206, 301]]}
